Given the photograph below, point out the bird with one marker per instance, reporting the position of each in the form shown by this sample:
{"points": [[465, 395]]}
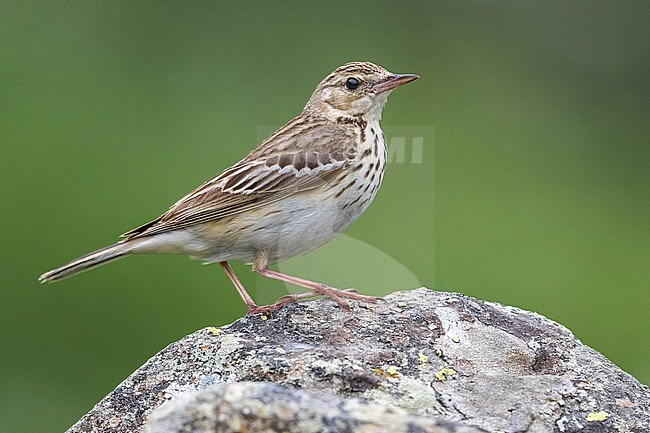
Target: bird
{"points": [[295, 191]]}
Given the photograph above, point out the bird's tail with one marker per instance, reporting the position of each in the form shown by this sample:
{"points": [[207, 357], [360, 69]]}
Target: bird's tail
{"points": [[90, 260]]}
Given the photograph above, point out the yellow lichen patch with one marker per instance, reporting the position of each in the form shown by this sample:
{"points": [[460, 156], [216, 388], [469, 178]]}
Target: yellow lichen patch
{"points": [[264, 317], [455, 338], [422, 357], [214, 331], [392, 371], [597, 416], [389, 372], [445, 373], [439, 353]]}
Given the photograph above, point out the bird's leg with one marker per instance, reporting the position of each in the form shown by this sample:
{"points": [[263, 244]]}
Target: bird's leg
{"points": [[251, 307], [315, 288], [250, 304]]}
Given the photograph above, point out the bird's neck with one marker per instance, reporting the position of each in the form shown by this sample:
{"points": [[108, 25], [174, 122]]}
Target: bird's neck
{"points": [[370, 113]]}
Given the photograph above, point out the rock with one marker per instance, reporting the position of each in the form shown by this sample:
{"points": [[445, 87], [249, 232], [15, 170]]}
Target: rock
{"points": [[263, 407], [444, 356]]}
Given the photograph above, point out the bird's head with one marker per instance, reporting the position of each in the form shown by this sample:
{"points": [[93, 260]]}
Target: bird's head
{"points": [[356, 89]]}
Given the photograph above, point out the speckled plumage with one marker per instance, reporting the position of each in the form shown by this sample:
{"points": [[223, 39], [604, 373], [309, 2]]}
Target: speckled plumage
{"points": [[295, 191]]}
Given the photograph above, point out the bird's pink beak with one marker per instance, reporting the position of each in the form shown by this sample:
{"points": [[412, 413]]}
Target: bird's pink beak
{"points": [[393, 81]]}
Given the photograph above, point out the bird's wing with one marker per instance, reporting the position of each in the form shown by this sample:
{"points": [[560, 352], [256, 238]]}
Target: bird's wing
{"points": [[255, 181]]}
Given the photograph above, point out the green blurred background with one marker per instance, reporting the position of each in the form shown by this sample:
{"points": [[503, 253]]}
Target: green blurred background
{"points": [[532, 190]]}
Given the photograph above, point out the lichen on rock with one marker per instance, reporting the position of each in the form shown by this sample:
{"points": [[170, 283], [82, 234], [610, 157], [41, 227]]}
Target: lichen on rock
{"points": [[432, 356]]}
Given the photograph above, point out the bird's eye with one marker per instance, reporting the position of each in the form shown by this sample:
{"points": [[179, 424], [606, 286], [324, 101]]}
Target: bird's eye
{"points": [[351, 83]]}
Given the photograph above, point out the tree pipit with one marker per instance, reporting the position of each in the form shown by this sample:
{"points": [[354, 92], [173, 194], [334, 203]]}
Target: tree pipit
{"points": [[295, 191]]}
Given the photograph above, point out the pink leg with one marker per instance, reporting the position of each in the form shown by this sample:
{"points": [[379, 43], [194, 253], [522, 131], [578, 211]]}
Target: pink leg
{"points": [[250, 304], [251, 307], [317, 288]]}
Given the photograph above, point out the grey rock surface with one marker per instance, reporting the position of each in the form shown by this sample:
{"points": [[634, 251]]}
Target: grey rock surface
{"points": [[264, 407], [445, 356]]}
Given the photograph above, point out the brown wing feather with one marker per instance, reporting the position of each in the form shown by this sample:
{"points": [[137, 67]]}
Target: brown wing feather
{"points": [[279, 167]]}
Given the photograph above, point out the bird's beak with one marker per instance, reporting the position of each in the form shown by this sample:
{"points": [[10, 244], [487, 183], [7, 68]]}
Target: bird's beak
{"points": [[393, 81]]}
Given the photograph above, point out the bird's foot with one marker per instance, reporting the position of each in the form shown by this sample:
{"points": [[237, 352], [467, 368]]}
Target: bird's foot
{"points": [[280, 303], [338, 295]]}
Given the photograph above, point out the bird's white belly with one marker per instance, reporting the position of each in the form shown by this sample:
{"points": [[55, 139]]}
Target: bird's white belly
{"points": [[300, 227]]}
